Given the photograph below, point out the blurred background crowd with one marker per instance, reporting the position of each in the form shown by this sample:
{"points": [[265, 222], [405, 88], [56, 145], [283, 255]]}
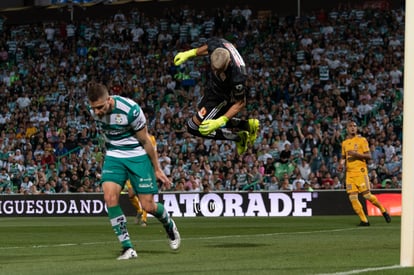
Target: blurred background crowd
{"points": [[307, 76]]}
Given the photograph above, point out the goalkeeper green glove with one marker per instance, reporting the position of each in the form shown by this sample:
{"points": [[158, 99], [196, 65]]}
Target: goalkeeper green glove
{"points": [[181, 57], [210, 125]]}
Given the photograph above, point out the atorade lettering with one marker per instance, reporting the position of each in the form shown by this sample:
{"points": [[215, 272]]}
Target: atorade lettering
{"points": [[261, 204], [234, 204], [51, 207]]}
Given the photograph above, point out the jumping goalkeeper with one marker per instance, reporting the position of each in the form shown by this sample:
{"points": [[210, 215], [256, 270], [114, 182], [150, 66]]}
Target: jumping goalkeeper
{"points": [[224, 96]]}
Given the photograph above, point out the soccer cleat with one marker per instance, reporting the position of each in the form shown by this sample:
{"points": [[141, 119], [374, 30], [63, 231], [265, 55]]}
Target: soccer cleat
{"points": [[364, 224], [253, 129], [128, 253], [174, 237], [242, 144], [387, 217], [138, 218]]}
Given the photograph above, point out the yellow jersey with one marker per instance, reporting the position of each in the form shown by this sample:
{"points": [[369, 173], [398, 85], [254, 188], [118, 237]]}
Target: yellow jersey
{"points": [[360, 145]]}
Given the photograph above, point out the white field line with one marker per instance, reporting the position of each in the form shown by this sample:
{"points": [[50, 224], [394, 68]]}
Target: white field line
{"points": [[197, 238], [358, 271]]}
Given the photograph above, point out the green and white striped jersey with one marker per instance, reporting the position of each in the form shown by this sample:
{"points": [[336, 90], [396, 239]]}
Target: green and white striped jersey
{"points": [[119, 128]]}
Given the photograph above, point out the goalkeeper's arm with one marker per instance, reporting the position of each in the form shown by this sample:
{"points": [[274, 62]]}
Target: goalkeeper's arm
{"points": [[181, 57]]}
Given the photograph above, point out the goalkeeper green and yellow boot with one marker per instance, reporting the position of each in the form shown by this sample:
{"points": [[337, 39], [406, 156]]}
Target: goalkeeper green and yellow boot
{"points": [[242, 143], [253, 129]]}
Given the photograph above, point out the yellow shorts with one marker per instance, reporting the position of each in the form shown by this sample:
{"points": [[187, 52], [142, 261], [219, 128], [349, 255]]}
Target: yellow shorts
{"points": [[358, 183]]}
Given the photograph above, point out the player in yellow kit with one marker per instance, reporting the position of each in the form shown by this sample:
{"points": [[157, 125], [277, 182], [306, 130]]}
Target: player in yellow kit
{"points": [[355, 154]]}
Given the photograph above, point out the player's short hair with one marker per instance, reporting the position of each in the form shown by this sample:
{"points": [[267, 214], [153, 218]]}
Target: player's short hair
{"points": [[96, 91], [220, 58], [353, 122]]}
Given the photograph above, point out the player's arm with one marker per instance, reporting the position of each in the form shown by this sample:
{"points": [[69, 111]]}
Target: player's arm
{"points": [[202, 50], [235, 109], [238, 94], [365, 155], [360, 156], [342, 163], [145, 140], [210, 125], [182, 57]]}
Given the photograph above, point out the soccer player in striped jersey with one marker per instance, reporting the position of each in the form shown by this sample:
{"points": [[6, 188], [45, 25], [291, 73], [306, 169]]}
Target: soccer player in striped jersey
{"points": [[130, 154], [355, 154]]}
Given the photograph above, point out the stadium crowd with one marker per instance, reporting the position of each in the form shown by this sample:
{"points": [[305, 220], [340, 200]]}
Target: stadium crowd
{"points": [[307, 76]]}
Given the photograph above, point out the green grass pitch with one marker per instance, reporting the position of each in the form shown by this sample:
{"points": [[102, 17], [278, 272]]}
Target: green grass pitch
{"points": [[248, 245]]}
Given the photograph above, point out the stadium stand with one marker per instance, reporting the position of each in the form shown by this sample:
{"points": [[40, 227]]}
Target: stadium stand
{"points": [[307, 76]]}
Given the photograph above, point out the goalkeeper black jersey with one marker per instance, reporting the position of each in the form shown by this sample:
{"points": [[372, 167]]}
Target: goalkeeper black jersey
{"points": [[233, 87]]}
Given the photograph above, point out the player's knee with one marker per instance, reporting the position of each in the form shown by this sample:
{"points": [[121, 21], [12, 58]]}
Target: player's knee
{"points": [[353, 197], [192, 128], [149, 207], [111, 199], [367, 196], [192, 131]]}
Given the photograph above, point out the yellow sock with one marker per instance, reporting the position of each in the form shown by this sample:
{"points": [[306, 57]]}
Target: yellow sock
{"points": [[135, 202], [356, 205], [373, 199], [144, 216]]}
